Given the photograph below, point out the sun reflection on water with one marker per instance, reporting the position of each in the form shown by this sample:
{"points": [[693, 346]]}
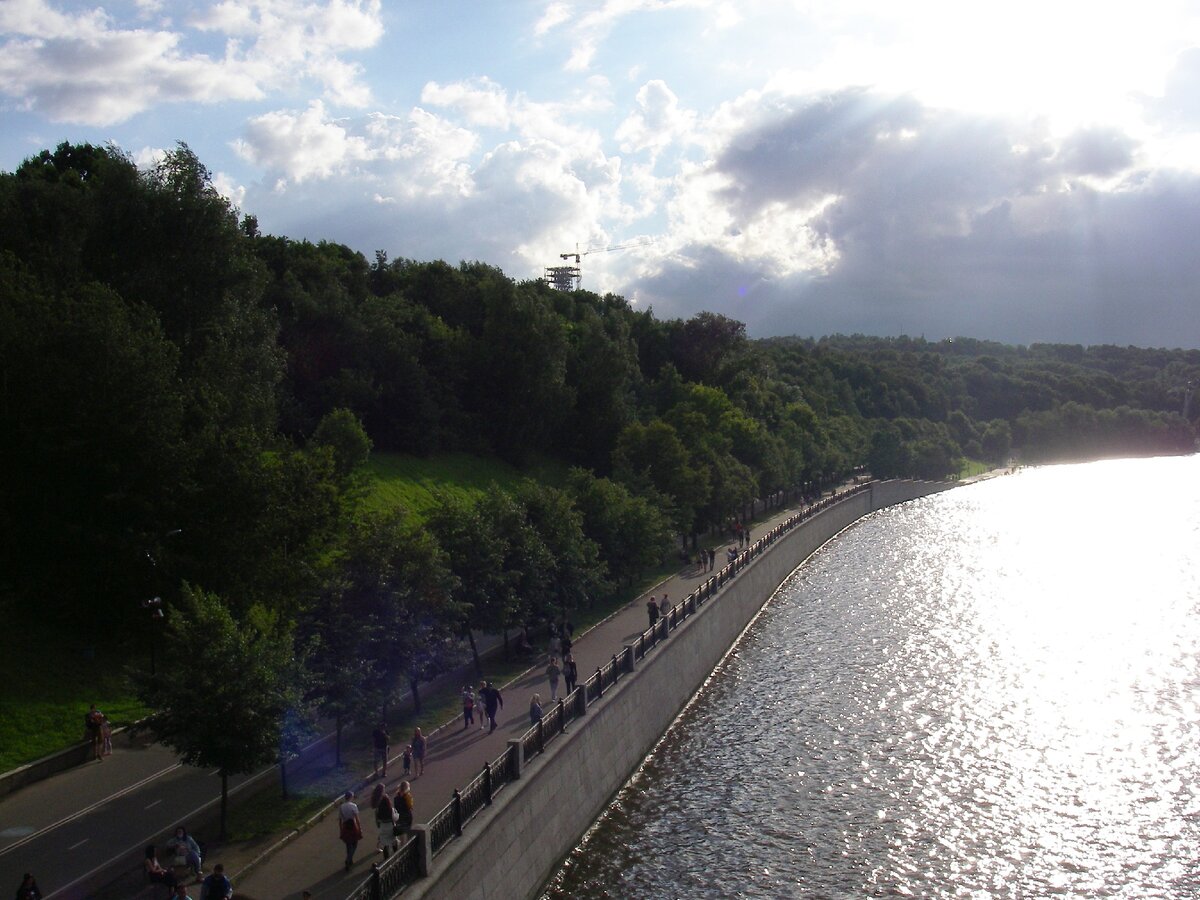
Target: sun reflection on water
{"points": [[994, 692]]}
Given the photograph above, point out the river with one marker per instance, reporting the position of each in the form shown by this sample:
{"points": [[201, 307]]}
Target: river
{"points": [[991, 692]]}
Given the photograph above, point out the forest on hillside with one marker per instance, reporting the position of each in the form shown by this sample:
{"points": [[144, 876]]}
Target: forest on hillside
{"points": [[185, 403]]}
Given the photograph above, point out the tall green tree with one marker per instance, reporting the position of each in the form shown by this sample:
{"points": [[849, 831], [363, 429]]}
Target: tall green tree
{"points": [[222, 690]]}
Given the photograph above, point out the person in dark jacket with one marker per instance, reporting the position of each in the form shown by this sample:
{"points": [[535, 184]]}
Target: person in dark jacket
{"points": [[29, 888]]}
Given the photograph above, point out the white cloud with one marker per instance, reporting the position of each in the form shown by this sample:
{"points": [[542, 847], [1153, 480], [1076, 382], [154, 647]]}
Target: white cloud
{"points": [[657, 122], [301, 145], [87, 67], [855, 211], [483, 102]]}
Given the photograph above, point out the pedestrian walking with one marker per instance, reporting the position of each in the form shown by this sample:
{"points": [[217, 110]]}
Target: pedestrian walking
{"points": [[492, 703], [652, 610], [403, 804], [407, 759], [349, 827], [555, 641], [418, 752], [217, 886], [181, 892], [552, 673], [712, 558], [570, 673], [468, 703], [29, 889], [385, 822], [92, 720], [664, 607], [482, 716], [535, 709], [381, 742], [105, 736]]}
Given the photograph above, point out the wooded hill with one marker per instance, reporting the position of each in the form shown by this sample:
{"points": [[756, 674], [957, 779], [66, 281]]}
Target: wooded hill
{"points": [[185, 399]]}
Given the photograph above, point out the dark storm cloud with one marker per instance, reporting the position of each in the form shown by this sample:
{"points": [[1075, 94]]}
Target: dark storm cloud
{"points": [[949, 224]]}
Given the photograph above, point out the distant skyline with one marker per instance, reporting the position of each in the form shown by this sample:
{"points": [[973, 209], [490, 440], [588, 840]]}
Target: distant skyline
{"points": [[1026, 172]]}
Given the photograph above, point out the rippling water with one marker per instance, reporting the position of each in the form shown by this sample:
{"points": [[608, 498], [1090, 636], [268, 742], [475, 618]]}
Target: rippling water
{"points": [[994, 692]]}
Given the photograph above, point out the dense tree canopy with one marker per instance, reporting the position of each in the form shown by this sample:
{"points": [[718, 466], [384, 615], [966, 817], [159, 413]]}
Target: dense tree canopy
{"points": [[184, 399]]}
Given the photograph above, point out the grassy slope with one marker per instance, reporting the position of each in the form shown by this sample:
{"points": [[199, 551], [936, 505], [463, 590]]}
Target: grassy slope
{"points": [[47, 681], [413, 482]]}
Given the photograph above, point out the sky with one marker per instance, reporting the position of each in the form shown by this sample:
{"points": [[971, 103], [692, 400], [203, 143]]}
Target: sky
{"points": [[1022, 172]]}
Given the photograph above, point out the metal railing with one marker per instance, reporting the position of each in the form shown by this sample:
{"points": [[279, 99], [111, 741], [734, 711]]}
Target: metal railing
{"points": [[389, 878]]}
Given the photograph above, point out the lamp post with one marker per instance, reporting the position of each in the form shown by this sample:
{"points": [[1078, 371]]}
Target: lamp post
{"points": [[154, 607]]}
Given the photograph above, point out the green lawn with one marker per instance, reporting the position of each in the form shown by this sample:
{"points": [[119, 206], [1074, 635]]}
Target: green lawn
{"points": [[974, 467], [413, 482], [47, 683]]}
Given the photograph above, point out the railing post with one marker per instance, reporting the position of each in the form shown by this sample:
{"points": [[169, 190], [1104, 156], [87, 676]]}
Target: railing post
{"points": [[541, 737], [514, 756], [599, 683], [456, 812], [424, 850], [376, 886], [628, 657], [581, 700], [487, 784], [562, 716]]}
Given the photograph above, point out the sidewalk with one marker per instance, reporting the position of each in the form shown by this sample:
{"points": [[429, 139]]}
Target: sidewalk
{"points": [[312, 860]]}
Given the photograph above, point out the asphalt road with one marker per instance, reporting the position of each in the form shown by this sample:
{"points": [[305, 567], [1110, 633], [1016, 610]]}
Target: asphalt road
{"points": [[67, 826]]}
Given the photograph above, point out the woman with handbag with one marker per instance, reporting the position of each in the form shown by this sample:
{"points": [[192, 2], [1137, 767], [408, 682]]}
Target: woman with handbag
{"points": [[385, 821]]}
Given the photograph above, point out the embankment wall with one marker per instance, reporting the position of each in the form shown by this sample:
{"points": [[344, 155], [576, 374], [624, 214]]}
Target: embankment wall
{"points": [[510, 849]]}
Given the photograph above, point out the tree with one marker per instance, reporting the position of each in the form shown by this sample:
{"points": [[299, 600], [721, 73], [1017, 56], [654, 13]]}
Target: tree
{"points": [[476, 553], [632, 534], [341, 431], [576, 570], [223, 690], [996, 441], [397, 580]]}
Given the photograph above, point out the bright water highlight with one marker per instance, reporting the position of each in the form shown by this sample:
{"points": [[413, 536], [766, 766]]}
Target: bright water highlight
{"points": [[991, 692]]}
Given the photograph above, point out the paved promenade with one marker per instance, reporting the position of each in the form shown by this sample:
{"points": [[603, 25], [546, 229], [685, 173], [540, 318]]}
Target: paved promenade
{"points": [[312, 860], [88, 818]]}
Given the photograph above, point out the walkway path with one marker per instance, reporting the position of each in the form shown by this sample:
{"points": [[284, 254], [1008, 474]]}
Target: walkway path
{"points": [[312, 860], [80, 821]]}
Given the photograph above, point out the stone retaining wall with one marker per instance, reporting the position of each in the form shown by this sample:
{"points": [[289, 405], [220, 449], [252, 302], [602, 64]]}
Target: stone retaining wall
{"points": [[510, 849]]}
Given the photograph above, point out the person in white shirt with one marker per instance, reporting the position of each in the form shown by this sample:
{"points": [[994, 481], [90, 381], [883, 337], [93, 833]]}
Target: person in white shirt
{"points": [[349, 827]]}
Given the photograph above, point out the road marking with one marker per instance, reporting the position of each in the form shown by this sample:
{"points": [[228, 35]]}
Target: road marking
{"points": [[83, 812], [155, 803], [80, 844]]}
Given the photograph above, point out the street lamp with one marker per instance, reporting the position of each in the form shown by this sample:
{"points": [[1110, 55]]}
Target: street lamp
{"points": [[154, 607]]}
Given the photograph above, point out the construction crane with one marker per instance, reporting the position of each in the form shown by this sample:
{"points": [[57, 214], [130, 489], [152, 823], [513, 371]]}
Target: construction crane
{"points": [[567, 277]]}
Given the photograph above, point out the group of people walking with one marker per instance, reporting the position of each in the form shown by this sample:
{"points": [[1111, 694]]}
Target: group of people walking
{"points": [[413, 757], [393, 820], [658, 609]]}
